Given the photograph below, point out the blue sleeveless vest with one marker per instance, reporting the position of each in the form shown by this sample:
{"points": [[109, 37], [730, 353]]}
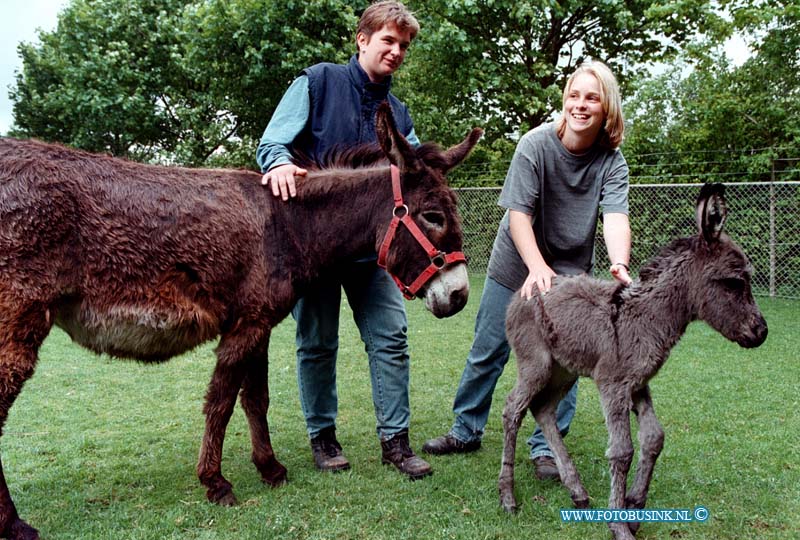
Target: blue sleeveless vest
{"points": [[342, 109]]}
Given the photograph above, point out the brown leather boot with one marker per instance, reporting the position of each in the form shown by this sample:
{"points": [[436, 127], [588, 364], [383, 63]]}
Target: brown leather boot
{"points": [[397, 451], [327, 452], [545, 468], [447, 444]]}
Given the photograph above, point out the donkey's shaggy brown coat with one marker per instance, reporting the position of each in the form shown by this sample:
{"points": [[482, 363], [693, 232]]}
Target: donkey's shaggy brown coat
{"points": [[146, 262]]}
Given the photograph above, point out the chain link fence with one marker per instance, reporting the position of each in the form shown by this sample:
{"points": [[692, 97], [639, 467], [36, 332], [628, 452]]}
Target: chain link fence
{"points": [[763, 218]]}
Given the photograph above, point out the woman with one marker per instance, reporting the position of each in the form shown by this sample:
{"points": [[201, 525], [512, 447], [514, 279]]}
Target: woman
{"points": [[561, 175]]}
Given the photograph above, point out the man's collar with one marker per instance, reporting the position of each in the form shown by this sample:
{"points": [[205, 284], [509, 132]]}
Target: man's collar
{"points": [[361, 79]]}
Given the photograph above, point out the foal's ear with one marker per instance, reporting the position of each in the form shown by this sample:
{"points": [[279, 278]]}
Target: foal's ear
{"points": [[711, 211], [393, 144]]}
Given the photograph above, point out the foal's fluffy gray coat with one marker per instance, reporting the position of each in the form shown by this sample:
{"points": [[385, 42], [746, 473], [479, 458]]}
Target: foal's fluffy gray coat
{"points": [[620, 337]]}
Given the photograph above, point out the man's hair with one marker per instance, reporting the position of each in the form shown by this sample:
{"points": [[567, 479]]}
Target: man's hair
{"points": [[386, 12], [613, 131]]}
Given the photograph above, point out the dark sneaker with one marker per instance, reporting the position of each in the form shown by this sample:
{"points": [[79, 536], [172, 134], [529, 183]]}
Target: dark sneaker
{"points": [[397, 451], [545, 468], [327, 452], [447, 444]]}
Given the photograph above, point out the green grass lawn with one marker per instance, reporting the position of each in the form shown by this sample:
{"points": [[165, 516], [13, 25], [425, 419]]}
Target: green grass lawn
{"points": [[97, 448]]}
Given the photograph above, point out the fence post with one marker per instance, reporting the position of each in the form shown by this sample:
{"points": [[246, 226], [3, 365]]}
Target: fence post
{"points": [[772, 230]]}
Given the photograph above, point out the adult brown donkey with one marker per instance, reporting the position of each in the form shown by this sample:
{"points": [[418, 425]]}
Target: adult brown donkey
{"points": [[620, 337], [146, 262]]}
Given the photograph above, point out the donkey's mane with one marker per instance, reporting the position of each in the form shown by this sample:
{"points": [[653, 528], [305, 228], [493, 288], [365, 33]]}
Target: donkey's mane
{"points": [[662, 260], [364, 155]]}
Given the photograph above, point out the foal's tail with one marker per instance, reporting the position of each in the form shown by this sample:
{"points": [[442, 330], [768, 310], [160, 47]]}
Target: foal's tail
{"points": [[525, 314], [548, 329]]}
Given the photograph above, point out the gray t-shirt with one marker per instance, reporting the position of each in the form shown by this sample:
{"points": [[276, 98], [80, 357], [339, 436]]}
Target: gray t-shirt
{"points": [[563, 192]]}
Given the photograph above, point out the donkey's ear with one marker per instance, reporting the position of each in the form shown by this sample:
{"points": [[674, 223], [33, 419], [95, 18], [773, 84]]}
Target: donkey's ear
{"points": [[711, 211], [456, 154], [393, 144]]}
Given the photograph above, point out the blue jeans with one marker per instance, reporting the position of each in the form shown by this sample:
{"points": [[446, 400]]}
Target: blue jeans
{"points": [[485, 363], [380, 315]]}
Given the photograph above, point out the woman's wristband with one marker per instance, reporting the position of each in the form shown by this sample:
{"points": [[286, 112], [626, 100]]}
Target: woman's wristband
{"points": [[625, 266]]}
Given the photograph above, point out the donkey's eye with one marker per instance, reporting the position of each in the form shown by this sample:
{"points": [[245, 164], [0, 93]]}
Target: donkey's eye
{"points": [[733, 284], [435, 219]]}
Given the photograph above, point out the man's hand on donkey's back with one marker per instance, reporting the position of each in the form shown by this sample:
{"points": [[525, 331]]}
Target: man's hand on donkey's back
{"points": [[281, 180]]}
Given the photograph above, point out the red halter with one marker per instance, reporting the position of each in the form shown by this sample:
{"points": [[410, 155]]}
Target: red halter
{"points": [[439, 259]]}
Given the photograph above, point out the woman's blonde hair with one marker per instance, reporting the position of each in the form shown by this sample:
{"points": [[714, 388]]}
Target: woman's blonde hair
{"points": [[386, 12], [613, 131]]}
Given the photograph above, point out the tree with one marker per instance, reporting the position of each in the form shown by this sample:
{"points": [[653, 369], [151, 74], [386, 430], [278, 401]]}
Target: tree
{"points": [[504, 62], [249, 51], [195, 81], [173, 80], [100, 81], [751, 111]]}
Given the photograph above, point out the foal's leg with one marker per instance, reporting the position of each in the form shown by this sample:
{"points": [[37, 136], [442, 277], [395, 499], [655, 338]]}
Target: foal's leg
{"points": [[228, 375], [546, 418], [533, 373], [255, 402], [651, 441], [513, 414], [21, 333], [616, 408]]}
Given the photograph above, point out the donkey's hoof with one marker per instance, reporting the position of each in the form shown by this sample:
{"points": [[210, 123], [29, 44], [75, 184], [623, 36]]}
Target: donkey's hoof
{"points": [[275, 474], [635, 503], [581, 503], [620, 531], [509, 504], [19, 530], [632, 502], [510, 508], [229, 499], [223, 496]]}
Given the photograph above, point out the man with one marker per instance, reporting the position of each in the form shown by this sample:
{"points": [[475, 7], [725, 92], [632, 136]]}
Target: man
{"points": [[328, 106], [560, 175]]}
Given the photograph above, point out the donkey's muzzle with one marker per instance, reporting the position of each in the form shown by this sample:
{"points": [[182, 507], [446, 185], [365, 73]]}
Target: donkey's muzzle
{"points": [[447, 293], [756, 336]]}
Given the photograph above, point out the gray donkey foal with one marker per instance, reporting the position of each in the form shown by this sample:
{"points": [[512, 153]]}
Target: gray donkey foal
{"points": [[620, 336]]}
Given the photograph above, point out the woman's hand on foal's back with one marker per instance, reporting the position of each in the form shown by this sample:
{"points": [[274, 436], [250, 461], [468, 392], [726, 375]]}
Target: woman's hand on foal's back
{"points": [[539, 281], [620, 272]]}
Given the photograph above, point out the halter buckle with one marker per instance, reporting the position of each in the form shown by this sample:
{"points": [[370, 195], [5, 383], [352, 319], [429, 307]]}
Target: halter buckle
{"points": [[400, 211]]}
